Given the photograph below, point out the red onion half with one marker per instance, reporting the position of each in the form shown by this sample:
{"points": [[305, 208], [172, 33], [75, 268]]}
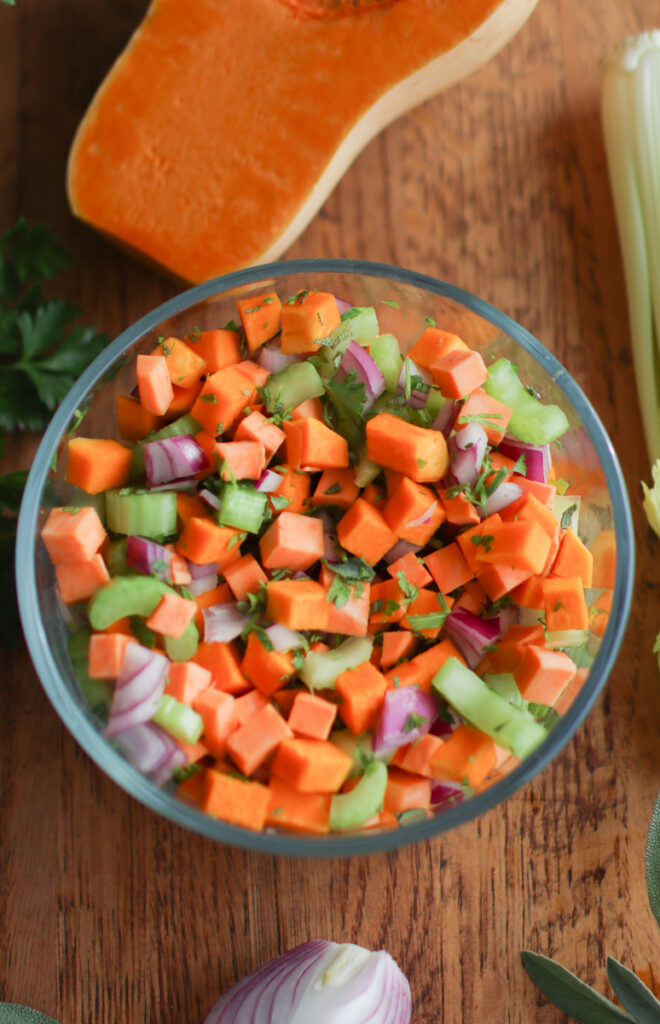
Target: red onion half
{"points": [[138, 689], [467, 448], [368, 372], [320, 982], [173, 458]]}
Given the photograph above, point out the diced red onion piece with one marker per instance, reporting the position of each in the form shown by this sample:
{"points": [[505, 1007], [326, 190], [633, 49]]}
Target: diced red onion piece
{"points": [[441, 728], [151, 750], [331, 547], [537, 457], [446, 793], [269, 481], [223, 622], [467, 448], [401, 548], [424, 519], [208, 569], [410, 368], [138, 689], [209, 498], [501, 497], [283, 638], [202, 585], [320, 981], [272, 358], [508, 617], [144, 555], [398, 706], [185, 484], [342, 305], [446, 418], [470, 634], [173, 458], [368, 372]]}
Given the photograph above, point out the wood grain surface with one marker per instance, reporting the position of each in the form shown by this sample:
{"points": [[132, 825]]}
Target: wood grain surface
{"points": [[108, 913]]}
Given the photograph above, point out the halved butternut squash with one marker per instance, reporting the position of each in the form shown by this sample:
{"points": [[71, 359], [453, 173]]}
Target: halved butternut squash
{"points": [[223, 126]]}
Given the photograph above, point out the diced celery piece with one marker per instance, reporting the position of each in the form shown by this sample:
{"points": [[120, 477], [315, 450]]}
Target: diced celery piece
{"points": [[561, 638], [504, 684], [507, 725], [149, 514], [242, 506], [359, 748], [362, 324], [532, 421], [97, 692], [366, 471], [289, 387], [434, 402], [139, 595], [80, 499], [531, 616], [385, 352], [186, 424], [566, 510], [115, 558], [179, 720], [321, 669], [351, 810]]}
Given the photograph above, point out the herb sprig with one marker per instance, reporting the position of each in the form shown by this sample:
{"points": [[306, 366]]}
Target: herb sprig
{"points": [[42, 353]]}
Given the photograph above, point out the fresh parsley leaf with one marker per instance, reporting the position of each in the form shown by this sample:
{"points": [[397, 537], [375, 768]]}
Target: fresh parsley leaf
{"points": [[352, 569], [409, 590], [414, 721], [333, 489], [339, 592], [42, 352]]}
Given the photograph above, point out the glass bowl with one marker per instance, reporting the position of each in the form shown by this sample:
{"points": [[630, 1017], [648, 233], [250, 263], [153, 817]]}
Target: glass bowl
{"points": [[403, 299]]}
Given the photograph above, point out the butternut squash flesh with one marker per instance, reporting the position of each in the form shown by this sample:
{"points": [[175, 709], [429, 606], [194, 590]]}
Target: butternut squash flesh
{"points": [[224, 124]]}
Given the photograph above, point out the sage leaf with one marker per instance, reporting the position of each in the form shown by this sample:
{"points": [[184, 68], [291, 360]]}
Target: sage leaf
{"points": [[633, 993], [12, 1013], [653, 862], [570, 994]]}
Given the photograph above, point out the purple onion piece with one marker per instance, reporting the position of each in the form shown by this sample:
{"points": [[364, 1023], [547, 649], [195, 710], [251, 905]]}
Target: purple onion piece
{"points": [[467, 448], [471, 635], [409, 368], [537, 457], [173, 458], [272, 358], [223, 622], [202, 585], [368, 372], [401, 548], [343, 305], [446, 418], [269, 481], [502, 497], [208, 569], [446, 793], [406, 715], [151, 750], [209, 498], [148, 557], [283, 638], [138, 689]]}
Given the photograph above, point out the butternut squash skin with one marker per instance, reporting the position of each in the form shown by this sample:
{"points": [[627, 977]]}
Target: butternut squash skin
{"points": [[224, 125]]}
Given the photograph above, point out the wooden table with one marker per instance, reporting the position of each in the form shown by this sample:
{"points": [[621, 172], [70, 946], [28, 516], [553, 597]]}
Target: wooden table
{"points": [[108, 913]]}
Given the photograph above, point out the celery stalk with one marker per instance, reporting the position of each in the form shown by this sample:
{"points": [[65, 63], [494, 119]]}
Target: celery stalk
{"points": [[631, 126]]}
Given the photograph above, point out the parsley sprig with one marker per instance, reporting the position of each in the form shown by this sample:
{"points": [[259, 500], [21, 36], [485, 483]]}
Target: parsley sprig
{"points": [[42, 351]]}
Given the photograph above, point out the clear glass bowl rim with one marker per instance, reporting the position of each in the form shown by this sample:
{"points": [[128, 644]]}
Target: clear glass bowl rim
{"points": [[140, 787]]}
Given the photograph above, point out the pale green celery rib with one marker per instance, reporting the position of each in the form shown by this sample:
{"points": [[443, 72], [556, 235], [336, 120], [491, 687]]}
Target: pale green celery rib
{"points": [[631, 126]]}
